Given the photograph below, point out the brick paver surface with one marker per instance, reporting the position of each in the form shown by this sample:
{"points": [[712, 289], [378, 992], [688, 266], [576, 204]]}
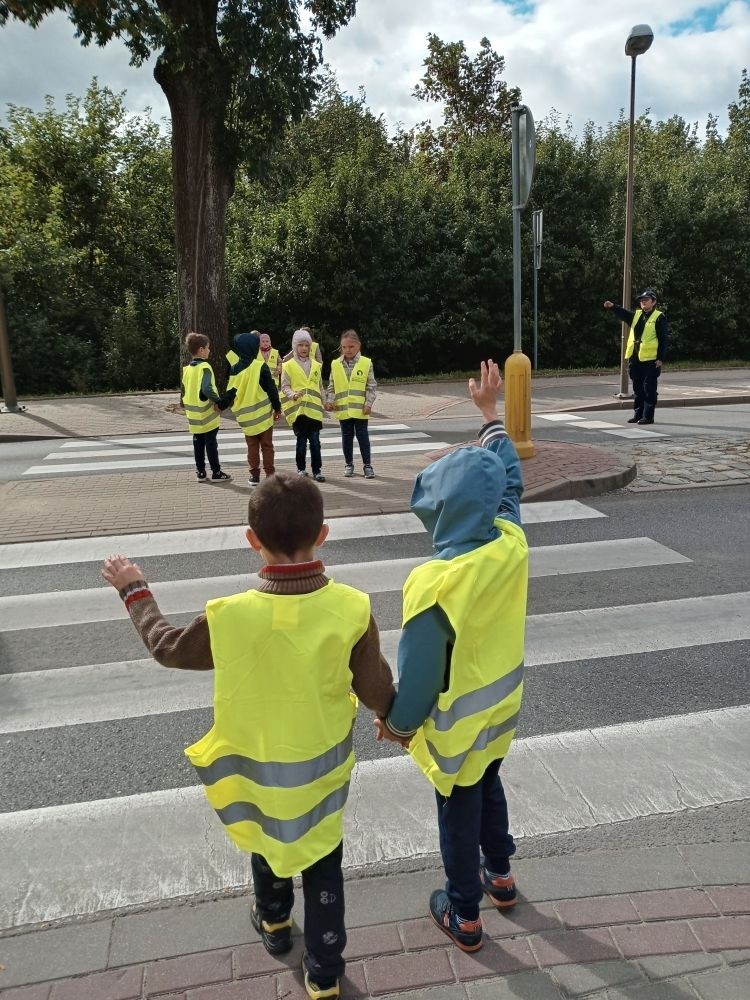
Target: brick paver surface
{"points": [[123, 503], [551, 941]]}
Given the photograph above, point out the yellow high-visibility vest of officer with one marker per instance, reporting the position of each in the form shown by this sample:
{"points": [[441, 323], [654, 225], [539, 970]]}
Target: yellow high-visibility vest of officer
{"points": [[201, 415], [649, 340], [349, 394], [279, 785], [474, 720], [310, 404]]}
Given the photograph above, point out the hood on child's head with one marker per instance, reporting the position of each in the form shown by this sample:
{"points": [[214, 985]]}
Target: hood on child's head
{"points": [[300, 337], [246, 345], [457, 499]]}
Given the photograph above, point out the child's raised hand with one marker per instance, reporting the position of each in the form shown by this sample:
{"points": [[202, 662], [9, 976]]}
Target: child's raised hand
{"points": [[485, 395], [119, 571]]}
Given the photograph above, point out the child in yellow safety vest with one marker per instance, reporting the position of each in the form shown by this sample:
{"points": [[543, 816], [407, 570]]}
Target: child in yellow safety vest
{"points": [[302, 403], [201, 402], [460, 662], [350, 397], [256, 406], [277, 762], [271, 357]]}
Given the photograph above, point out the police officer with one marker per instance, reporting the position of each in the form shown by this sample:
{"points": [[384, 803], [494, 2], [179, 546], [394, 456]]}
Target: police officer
{"points": [[645, 351]]}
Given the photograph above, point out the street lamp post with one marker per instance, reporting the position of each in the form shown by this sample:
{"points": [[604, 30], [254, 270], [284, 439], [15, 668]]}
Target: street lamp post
{"points": [[639, 41], [7, 382]]}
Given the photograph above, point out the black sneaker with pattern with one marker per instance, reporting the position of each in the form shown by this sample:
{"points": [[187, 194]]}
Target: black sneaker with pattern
{"points": [[467, 934], [276, 936]]}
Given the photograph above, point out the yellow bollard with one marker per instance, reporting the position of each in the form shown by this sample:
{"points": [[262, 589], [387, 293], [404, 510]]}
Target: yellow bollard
{"points": [[517, 378]]}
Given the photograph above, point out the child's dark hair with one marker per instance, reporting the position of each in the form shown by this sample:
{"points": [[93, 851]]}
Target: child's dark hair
{"points": [[195, 341], [350, 335], [286, 513]]}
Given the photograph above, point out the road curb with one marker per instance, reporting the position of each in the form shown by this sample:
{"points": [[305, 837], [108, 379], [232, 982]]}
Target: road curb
{"points": [[584, 486], [627, 404]]}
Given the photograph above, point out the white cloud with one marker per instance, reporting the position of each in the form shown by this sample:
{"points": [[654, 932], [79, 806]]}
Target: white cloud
{"points": [[566, 54]]}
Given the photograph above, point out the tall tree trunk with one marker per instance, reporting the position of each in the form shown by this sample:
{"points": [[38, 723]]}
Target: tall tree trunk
{"points": [[202, 187]]}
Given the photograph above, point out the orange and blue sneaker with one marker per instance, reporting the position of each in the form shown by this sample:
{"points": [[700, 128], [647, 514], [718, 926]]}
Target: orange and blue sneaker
{"points": [[466, 934], [500, 889], [323, 990], [276, 937]]}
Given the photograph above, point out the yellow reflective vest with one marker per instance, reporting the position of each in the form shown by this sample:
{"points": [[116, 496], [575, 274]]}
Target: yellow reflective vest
{"points": [[350, 391], [276, 763], [272, 360], [311, 402], [251, 407], [649, 340], [201, 415], [483, 594]]}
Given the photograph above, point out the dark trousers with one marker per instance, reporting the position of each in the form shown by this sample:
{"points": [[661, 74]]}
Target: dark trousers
{"points": [[473, 817], [205, 446], [257, 443], [350, 427], [308, 430], [645, 377], [323, 889]]}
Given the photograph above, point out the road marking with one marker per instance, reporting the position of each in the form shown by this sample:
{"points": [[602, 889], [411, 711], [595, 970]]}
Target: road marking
{"points": [[558, 416], [68, 860], [166, 462], [633, 433], [99, 692], [596, 425], [131, 450], [78, 607], [230, 431], [64, 551]]}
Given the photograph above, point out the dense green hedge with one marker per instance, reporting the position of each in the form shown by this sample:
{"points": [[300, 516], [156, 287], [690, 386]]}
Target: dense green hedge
{"points": [[407, 241]]}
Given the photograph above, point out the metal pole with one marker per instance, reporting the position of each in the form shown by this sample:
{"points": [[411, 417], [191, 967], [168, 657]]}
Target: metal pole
{"points": [[6, 365], [536, 281], [626, 280], [516, 195]]}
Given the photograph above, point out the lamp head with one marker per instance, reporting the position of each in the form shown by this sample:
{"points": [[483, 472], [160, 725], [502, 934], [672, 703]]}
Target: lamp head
{"points": [[639, 40]]}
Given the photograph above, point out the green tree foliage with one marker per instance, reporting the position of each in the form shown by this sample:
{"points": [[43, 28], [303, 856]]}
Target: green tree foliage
{"points": [[408, 242], [476, 99], [85, 217], [234, 72]]}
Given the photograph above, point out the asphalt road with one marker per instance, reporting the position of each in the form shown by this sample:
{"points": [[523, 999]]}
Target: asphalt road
{"points": [[96, 760]]}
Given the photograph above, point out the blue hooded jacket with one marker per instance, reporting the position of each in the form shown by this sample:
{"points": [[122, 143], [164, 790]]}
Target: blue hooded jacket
{"points": [[457, 499], [247, 345]]}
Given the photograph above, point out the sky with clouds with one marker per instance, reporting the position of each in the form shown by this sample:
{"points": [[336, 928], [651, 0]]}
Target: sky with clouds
{"points": [[563, 54]]}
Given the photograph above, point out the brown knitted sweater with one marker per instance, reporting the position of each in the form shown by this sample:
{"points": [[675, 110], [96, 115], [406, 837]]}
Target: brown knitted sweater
{"points": [[189, 648]]}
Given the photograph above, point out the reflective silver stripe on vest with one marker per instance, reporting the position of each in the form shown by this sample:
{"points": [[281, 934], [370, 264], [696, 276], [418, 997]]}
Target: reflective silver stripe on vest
{"points": [[452, 765], [286, 831], [253, 407], [277, 774], [258, 420], [195, 422], [477, 701], [357, 392], [197, 409], [341, 395]]}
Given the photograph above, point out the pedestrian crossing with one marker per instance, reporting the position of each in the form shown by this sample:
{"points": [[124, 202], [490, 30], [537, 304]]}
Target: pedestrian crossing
{"points": [[604, 426], [99, 810], [149, 452]]}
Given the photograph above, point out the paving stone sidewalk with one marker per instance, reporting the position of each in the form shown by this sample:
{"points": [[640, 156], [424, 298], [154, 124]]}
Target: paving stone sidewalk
{"points": [[122, 503], [632, 925], [683, 463]]}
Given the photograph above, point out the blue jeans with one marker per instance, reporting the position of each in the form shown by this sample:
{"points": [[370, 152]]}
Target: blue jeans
{"points": [[470, 818], [350, 427], [323, 889]]}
